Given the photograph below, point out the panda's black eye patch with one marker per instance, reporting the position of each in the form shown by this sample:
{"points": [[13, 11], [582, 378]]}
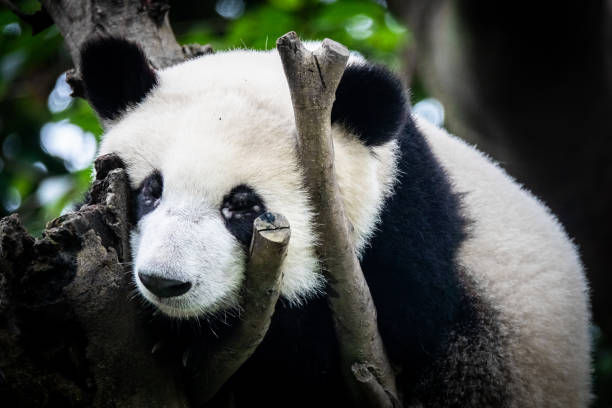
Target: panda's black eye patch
{"points": [[240, 207], [149, 194]]}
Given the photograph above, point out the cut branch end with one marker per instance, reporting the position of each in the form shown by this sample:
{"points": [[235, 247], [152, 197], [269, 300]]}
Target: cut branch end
{"points": [[271, 235], [313, 77]]}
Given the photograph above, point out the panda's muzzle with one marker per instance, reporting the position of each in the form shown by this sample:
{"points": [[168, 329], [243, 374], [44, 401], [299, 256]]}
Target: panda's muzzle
{"points": [[162, 287]]}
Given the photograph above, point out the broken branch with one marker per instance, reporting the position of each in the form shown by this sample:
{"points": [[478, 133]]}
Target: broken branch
{"points": [[313, 78], [261, 290]]}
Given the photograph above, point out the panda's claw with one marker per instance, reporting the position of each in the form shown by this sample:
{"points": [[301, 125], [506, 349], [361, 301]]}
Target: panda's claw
{"points": [[186, 357], [158, 346]]}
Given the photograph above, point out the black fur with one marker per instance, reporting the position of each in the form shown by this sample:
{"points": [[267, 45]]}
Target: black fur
{"points": [[473, 370], [425, 312], [245, 205], [409, 264], [116, 75], [370, 102], [148, 195]]}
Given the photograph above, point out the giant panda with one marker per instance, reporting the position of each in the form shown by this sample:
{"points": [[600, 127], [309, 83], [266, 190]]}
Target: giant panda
{"points": [[481, 296]]}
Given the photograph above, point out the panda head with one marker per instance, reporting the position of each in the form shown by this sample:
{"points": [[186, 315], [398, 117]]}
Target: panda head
{"points": [[209, 145]]}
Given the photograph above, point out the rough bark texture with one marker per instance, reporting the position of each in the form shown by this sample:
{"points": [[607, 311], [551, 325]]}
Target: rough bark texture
{"points": [[142, 21], [531, 84], [313, 78], [69, 336], [262, 287]]}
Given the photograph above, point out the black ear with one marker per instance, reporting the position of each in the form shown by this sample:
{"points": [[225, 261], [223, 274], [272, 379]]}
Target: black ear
{"points": [[371, 103], [116, 74]]}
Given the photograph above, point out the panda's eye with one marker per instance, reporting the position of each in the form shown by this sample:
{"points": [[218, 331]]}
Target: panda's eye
{"points": [[241, 201], [149, 194], [152, 187], [239, 208]]}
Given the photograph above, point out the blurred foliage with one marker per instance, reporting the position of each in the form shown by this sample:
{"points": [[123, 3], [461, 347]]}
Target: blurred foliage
{"points": [[39, 181], [361, 25]]}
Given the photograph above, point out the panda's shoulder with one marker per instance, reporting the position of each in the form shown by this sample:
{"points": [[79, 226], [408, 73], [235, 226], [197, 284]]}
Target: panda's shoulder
{"points": [[505, 217]]}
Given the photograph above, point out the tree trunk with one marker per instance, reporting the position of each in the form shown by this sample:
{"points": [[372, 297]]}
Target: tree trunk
{"points": [[144, 22], [68, 331]]}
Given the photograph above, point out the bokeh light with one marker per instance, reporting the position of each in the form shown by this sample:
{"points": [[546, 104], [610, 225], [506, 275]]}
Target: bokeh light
{"points": [[52, 189], [70, 143], [230, 9], [430, 109], [360, 26], [60, 98]]}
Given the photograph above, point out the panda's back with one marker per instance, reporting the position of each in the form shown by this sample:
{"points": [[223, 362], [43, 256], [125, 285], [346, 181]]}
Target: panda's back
{"points": [[480, 295], [524, 266]]}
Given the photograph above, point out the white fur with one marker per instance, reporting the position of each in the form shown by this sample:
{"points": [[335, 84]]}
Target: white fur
{"points": [[529, 271], [182, 253], [226, 119], [214, 123]]}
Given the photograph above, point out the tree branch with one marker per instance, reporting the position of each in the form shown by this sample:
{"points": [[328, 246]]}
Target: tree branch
{"points": [[261, 290], [313, 78]]}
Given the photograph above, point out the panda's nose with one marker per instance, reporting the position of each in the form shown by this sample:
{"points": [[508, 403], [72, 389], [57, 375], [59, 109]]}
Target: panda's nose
{"points": [[163, 287]]}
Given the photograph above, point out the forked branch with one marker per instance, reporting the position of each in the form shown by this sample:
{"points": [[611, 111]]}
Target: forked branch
{"points": [[313, 78]]}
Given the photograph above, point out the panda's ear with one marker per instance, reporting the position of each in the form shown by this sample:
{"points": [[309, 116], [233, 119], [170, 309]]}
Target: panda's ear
{"points": [[370, 102], [116, 75]]}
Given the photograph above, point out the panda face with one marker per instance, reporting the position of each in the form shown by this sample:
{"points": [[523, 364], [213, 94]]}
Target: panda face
{"points": [[168, 260], [185, 261], [197, 194], [208, 146]]}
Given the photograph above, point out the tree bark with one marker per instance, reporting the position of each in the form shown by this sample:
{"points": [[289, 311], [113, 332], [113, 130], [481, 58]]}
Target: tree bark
{"points": [[144, 22], [313, 78], [69, 334], [262, 287]]}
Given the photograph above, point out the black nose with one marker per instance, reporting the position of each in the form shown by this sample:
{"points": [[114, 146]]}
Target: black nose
{"points": [[163, 287]]}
